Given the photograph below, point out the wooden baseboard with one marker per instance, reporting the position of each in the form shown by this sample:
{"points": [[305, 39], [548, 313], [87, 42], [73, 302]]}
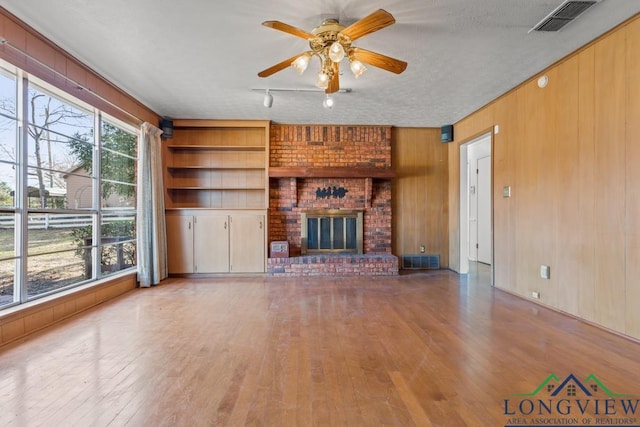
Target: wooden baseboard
{"points": [[18, 322]]}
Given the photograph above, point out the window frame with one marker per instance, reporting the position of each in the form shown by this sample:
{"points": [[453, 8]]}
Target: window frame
{"points": [[96, 213]]}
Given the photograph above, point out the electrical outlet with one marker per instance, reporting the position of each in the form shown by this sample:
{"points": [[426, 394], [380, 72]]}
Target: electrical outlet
{"points": [[422, 249], [535, 294], [545, 271]]}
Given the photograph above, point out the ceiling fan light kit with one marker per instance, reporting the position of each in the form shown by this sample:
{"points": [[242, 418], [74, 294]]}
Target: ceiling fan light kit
{"points": [[331, 43]]}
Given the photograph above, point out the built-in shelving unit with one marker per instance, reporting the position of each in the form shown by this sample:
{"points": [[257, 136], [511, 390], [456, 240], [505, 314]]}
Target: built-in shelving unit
{"points": [[217, 164], [217, 193]]}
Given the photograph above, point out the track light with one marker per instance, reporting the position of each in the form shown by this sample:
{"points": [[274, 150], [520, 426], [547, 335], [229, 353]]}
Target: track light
{"points": [[268, 99], [328, 102]]}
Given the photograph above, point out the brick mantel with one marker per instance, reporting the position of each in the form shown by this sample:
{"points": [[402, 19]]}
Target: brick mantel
{"points": [[331, 172]]}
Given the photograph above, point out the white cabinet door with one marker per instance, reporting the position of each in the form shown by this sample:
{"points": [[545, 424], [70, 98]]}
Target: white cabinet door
{"points": [[211, 243], [180, 243], [246, 243]]}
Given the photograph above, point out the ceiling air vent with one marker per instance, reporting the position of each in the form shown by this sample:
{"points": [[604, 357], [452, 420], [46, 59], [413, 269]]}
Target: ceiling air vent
{"points": [[565, 13]]}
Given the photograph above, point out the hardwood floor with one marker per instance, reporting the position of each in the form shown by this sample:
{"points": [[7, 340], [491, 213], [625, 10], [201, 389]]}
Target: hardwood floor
{"points": [[427, 348]]}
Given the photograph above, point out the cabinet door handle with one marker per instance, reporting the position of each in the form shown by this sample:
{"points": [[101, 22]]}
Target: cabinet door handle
{"points": [[260, 225], [189, 225], [225, 225]]}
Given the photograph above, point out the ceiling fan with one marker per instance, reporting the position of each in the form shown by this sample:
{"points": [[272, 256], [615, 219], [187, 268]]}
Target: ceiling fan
{"points": [[331, 43]]}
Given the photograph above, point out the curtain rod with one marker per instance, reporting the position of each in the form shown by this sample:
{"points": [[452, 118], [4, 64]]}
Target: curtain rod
{"points": [[5, 42]]}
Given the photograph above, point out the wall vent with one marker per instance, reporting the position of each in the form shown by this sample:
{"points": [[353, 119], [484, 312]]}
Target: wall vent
{"points": [[563, 14], [420, 262]]}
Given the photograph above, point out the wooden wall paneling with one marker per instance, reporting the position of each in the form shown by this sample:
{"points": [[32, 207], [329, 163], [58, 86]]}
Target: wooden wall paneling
{"points": [[610, 96], [585, 215], [528, 169], [405, 204], [438, 198], [544, 186], [632, 326], [593, 241], [472, 126], [566, 266], [420, 192], [503, 156], [41, 314]]}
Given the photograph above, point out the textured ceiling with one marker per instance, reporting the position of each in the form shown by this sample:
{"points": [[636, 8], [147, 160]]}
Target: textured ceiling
{"points": [[200, 58]]}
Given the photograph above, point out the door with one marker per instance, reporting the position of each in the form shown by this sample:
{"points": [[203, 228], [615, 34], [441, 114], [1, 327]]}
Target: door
{"points": [[484, 210], [180, 243], [246, 244], [211, 243]]}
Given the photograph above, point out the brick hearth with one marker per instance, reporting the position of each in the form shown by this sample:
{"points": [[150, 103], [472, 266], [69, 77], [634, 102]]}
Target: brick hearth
{"points": [[334, 265]]}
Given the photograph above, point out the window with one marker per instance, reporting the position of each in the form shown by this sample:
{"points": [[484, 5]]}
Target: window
{"points": [[8, 183], [67, 191]]}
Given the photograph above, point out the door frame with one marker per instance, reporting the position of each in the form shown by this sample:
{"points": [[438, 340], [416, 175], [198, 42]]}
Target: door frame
{"points": [[464, 213]]}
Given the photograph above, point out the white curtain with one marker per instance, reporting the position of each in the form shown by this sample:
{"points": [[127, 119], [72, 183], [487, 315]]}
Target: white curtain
{"points": [[151, 230]]}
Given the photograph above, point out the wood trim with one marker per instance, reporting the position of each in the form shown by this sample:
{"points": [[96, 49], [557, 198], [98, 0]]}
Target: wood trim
{"points": [[331, 172], [206, 123]]}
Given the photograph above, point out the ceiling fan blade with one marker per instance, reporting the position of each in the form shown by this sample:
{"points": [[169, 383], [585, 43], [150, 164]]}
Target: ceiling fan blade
{"points": [[281, 26], [334, 83], [278, 67], [367, 25], [378, 60]]}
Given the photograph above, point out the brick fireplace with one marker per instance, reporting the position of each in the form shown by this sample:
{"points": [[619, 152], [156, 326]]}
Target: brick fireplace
{"points": [[331, 168]]}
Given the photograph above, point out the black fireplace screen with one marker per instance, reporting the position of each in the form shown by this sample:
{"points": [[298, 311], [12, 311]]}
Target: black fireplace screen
{"points": [[332, 231]]}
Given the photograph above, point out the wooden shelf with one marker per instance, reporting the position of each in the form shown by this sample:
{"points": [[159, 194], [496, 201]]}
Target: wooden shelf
{"points": [[331, 172], [214, 188], [217, 147], [217, 165], [197, 167]]}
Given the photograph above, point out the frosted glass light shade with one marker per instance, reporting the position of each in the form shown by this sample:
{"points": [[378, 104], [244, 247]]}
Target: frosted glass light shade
{"points": [[323, 80], [357, 68], [336, 52], [301, 63]]}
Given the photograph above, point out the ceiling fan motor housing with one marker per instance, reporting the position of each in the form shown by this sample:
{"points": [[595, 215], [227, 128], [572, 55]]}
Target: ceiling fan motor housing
{"points": [[328, 33]]}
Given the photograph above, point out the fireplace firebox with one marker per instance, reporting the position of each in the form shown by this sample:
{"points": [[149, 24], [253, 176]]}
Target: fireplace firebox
{"points": [[331, 231]]}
